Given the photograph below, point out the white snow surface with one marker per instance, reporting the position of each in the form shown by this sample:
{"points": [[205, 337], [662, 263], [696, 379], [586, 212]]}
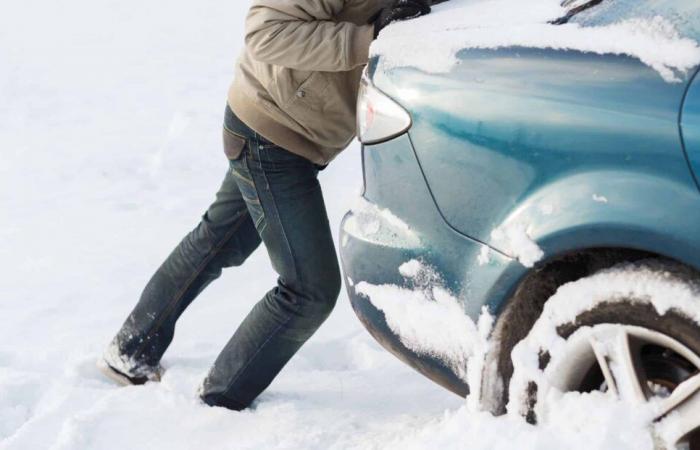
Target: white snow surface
{"points": [[431, 42], [110, 150]]}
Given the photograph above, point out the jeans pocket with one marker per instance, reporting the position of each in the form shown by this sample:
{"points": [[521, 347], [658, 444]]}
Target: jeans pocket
{"points": [[233, 144]]}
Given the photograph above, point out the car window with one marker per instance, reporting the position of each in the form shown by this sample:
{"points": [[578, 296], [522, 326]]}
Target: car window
{"points": [[684, 15]]}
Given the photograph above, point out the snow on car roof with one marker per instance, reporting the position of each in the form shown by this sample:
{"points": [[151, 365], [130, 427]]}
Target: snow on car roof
{"points": [[430, 43]]}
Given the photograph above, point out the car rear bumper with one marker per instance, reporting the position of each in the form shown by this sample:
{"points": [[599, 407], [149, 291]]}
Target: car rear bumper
{"points": [[376, 261], [396, 221]]}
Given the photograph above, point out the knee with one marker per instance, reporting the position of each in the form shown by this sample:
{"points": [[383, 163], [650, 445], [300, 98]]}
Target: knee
{"points": [[234, 258], [335, 287], [317, 295], [329, 290]]}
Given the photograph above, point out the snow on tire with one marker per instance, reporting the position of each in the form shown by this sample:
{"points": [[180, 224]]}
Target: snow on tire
{"points": [[630, 333]]}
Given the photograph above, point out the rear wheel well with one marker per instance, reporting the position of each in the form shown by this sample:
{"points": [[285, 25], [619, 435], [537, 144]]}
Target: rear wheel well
{"points": [[525, 305]]}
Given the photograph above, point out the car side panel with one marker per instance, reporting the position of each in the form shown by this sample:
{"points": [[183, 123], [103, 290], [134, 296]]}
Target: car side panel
{"points": [[394, 184], [636, 194], [507, 125], [690, 125], [603, 208]]}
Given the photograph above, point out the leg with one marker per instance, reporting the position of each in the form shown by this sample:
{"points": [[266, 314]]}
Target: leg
{"points": [[286, 203], [225, 237]]}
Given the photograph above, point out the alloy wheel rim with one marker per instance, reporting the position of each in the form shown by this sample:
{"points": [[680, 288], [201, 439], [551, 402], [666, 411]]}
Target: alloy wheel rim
{"points": [[639, 366]]}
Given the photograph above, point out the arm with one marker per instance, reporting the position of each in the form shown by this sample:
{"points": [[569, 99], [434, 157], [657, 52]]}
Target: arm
{"points": [[301, 34]]}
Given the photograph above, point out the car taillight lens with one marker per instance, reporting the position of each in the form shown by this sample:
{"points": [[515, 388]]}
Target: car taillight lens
{"points": [[379, 118]]}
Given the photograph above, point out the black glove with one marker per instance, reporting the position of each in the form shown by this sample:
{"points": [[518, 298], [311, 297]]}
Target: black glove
{"points": [[399, 10]]}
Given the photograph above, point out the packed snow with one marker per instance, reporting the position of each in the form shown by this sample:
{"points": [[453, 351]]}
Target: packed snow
{"points": [[484, 255], [411, 269], [380, 226], [664, 285], [110, 150], [513, 238], [429, 319], [490, 24], [600, 198]]}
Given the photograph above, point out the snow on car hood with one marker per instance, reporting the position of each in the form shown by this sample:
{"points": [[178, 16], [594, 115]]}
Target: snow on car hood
{"points": [[460, 24]]}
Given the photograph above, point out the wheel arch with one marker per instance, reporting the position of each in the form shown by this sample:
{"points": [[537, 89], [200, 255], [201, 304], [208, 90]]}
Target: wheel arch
{"points": [[518, 313], [612, 209]]}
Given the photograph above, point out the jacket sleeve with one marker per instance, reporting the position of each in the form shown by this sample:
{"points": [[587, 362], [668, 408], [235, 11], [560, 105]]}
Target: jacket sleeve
{"points": [[301, 34]]}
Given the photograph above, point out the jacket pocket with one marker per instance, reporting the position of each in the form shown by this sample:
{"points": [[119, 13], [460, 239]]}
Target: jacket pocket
{"points": [[324, 105], [309, 96], [233, 144]]}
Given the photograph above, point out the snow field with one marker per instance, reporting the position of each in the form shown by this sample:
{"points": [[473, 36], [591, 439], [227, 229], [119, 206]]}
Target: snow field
{"points": [[110, 150]]}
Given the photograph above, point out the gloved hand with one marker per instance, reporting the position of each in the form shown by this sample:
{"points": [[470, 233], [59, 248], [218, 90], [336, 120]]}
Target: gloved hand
{"points": [[399, 10]]}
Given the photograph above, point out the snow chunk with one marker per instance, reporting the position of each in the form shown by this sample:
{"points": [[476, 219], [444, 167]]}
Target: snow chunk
{"points": [[438, 327], [514, 240], [600, 198], [506, 23], [410, 269], [665, 286], [484, 256], [379, 226], [476, 364]]}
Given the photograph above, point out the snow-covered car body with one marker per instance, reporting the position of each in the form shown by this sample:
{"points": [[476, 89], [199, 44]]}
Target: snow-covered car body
{"points": [[522, 157]]}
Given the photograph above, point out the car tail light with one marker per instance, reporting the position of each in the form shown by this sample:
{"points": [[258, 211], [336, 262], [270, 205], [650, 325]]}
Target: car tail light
{"points": [[379, 118]]}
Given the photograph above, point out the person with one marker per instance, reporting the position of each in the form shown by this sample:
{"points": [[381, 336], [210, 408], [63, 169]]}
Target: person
{"points": [[290, 111]]}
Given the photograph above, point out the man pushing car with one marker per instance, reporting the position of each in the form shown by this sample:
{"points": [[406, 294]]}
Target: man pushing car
{"points": [[290, 111]]}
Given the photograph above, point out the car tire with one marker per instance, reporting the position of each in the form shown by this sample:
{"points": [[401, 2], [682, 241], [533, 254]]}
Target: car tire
{"points": [[631, 331]]}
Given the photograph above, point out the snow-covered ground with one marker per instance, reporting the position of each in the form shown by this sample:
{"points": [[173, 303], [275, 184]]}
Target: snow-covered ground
{"points": [[110, 130]]}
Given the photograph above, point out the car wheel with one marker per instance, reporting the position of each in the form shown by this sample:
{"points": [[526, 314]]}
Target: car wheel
{"points": [[631, 331]]}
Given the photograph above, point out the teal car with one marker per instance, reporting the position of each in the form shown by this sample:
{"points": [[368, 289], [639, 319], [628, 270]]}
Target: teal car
{"points": [[547, 189]]}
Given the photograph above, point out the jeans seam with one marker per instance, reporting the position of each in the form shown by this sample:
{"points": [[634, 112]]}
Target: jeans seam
{"points": [[260, 220], [279, 219], [242, 177], [255, 355], [176, 299]]}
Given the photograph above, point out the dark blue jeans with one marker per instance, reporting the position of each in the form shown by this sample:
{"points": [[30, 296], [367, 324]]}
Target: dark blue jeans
{"points": [[268, 195]]}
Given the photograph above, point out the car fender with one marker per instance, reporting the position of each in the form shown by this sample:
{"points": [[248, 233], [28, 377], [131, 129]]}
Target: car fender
{"points": [[610, 209]]}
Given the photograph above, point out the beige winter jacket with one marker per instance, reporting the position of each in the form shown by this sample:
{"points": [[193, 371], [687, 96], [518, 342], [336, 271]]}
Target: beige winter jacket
{"points": [[296, 80]]}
